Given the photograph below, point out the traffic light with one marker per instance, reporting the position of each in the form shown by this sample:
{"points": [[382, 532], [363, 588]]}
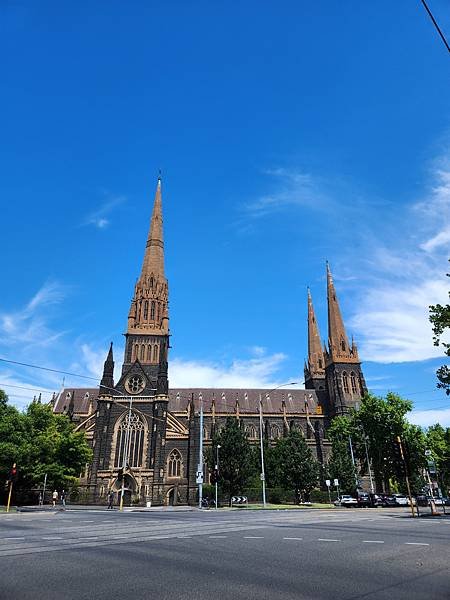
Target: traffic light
{"points": [[120, 475], [215, 476], [13, 473], [399, 457]]}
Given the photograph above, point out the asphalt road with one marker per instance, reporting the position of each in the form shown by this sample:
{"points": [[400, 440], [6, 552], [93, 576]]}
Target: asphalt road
{"points": [[340, 554]]}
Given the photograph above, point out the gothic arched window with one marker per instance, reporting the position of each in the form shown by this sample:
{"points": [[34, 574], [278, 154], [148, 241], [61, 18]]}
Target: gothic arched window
{"points": [[343, 346], [275, 432], [353, 381], [174, 464], [149, 352], [130, 441], [155, 353], [152, 311], [143, 352], [145, 310], [345, 382], [250, 430]]}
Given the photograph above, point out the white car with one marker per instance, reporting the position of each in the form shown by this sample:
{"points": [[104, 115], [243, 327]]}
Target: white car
{"points": [[401, 500], [346, 500]]}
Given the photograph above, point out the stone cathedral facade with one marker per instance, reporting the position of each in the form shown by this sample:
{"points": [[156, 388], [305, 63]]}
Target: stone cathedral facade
{"points": [[159, 434]]}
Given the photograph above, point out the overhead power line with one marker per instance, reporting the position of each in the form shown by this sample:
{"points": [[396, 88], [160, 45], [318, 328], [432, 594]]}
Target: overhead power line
{"points": [[438, 29], [15, 362]]}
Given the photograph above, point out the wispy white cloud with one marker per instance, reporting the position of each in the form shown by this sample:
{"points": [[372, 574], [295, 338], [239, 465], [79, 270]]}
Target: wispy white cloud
{"points": [[425, 418], [291, 188], [29, 326], [100, 217], [258, 371], [401, 278]]}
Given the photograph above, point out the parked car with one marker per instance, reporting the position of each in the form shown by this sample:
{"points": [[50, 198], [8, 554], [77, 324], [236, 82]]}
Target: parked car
{"points": [[400, 499], [347, 501], [388, 500], [364, 500], [376, 500]]}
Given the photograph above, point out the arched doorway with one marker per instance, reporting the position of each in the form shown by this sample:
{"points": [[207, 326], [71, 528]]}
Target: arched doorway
{"points": [[129, 489], [171, 497]]}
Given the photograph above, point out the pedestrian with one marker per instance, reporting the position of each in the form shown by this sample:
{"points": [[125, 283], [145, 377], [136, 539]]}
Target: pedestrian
{"points": [[110, 500], [41, 499], [63, 498], [55, 497]]}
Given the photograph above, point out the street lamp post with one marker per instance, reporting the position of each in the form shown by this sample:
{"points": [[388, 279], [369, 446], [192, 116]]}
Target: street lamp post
{"points": [[261, 443], [217, 471]]}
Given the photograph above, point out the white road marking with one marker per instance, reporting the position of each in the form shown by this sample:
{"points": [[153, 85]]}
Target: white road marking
{"points": [[91, 537], [292, 538], [253, 537], [373, 541], [14, 538], [416, 544], [52, 538], [217, 537], [327, 540]]}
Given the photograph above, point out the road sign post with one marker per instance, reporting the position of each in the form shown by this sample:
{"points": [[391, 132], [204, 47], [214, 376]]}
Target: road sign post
{"points": [[328, 483]]}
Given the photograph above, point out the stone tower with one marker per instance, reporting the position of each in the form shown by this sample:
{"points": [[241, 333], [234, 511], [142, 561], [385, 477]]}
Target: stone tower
{"points": [[344, 377], [147, 336]]}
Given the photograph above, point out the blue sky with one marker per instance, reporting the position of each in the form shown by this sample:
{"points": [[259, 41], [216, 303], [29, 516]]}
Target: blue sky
{"points": [[288, 133]]}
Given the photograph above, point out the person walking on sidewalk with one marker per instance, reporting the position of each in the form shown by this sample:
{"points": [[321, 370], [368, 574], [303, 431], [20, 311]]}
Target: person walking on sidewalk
{"points": [[63, 498], [55, 497], [110, 500]]}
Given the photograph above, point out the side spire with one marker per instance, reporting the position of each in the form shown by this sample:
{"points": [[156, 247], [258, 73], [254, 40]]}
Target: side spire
{"points": [[315, 363], [107, 382], [339, 350]]}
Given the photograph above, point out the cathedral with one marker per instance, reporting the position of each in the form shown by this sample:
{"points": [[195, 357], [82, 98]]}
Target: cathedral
{"points": [[148, 433]]}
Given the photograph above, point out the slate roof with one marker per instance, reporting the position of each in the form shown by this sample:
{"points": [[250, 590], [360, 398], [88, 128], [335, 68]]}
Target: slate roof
{"points": [[225, 400]]}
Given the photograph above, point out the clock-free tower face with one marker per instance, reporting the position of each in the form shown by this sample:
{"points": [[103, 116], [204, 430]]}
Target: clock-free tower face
{"points": [[135, 384]]}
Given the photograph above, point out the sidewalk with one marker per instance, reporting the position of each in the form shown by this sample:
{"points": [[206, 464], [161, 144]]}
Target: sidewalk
{"points": [[96, 508]]}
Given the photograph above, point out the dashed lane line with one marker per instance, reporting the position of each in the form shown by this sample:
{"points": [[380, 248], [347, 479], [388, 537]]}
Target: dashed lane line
{"points": [[416, 544], [253, 537], [327, 540], [292, 538], [373, 541]]}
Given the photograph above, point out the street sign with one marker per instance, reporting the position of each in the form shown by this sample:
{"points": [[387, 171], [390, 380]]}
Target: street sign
{"points": [[336, 482], [327, 482], [199, 477], [427, 452], [262, 477]]}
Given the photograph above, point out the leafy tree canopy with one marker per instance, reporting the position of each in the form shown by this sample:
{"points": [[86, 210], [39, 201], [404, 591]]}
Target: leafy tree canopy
{"points": [[440, 319], [40, 442], [292, 465], [237, 458]]}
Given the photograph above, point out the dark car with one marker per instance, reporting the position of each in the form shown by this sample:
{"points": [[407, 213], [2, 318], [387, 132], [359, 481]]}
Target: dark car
{"points": [[376, 500], [388, 500], [364, 500]]}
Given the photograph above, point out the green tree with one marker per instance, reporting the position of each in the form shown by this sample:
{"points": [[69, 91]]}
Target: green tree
{"points": [[293, 466], [440, 319], [40, 442], [438, 441], [238, 463], [340, 465]]}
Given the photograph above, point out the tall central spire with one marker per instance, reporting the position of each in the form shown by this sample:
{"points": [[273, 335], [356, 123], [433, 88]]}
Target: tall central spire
{"points": [[149, 307], [154, 250]]}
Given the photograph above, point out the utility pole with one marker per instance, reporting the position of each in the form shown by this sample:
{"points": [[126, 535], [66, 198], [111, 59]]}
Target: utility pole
{"points": [[263, 475], [125, 453], [353, 461], [372, 489], [200, 457], [43, 491], [217, 471], [12, 477], [399, 441]]}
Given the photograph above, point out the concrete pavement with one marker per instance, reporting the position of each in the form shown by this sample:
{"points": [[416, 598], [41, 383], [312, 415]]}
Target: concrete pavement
{"points": [[253, 554]]}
